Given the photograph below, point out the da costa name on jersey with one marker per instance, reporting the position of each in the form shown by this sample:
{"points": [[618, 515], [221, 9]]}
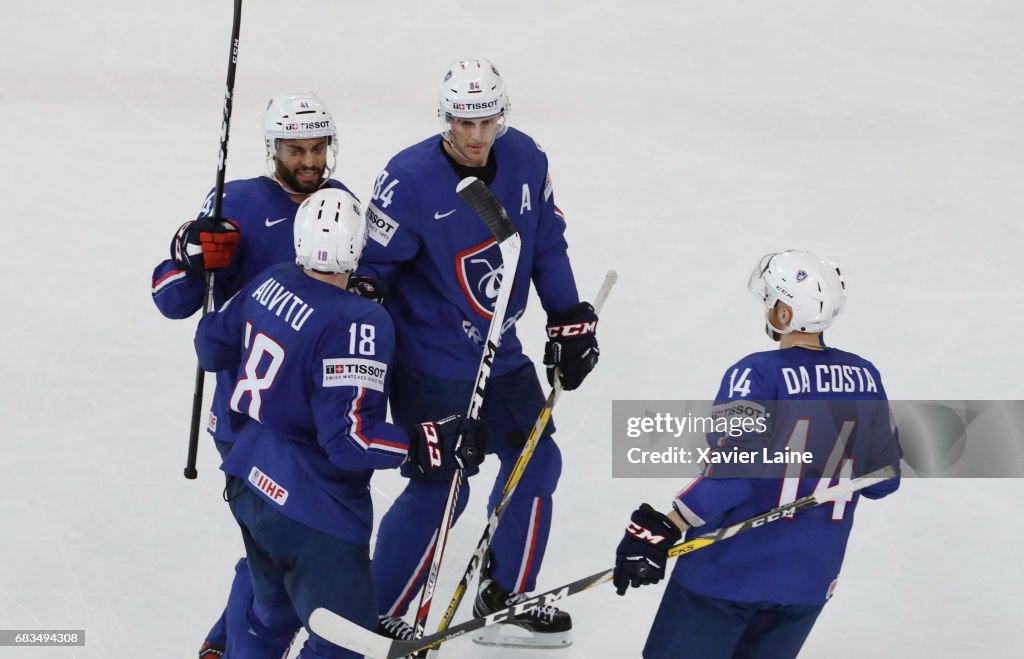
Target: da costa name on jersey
{"points": [[352, 372], [829, 378]]}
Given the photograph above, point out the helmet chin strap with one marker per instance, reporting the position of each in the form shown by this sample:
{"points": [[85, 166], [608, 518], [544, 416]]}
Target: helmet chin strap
{"points": [[332, 162], [272, 173], [773, 332], [280, 183], [446, 136]]}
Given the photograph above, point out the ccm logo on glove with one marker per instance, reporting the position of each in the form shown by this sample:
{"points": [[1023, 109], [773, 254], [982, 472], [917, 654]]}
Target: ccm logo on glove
{"points": [[644, 534], [433, 444], [574, 329]]}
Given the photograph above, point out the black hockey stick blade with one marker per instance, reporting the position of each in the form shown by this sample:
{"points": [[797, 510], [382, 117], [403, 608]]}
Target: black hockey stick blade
{"points": [[342, 631], [475, 193]]}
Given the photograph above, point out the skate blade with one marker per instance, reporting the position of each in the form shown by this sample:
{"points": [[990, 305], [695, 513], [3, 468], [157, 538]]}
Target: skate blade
{"points": [[514, 636]]}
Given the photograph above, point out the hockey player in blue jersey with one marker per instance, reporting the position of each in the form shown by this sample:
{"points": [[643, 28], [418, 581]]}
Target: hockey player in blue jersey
{"points": [[442, 266], [311, 363], [758, 594], [301, 152]]}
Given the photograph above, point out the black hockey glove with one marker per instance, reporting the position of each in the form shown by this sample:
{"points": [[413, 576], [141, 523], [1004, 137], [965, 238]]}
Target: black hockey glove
{"points": [[641, 556], [572, 345], [449, 444], [369, 287], [204, 244]]}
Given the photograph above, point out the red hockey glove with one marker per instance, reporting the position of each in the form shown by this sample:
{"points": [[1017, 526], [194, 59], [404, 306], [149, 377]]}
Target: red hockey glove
{"points": [[204, 244]]}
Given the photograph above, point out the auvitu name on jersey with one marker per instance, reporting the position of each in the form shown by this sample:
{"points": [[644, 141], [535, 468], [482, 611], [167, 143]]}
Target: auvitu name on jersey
{"points": [[279, 300], [828, 378]]}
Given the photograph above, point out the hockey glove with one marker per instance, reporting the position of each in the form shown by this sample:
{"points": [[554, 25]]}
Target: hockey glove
{"points": [[204, 244], [641, 556], [449, 444], [369, 287], [572, 345]]}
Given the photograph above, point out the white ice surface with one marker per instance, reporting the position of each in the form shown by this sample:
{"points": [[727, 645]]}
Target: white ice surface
{"points": [[686, 139]]}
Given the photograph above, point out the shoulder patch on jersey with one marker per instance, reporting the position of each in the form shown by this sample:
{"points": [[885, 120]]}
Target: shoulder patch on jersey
{"points": [[355, 372], [738, 409], [548, 190], [379, 226]]}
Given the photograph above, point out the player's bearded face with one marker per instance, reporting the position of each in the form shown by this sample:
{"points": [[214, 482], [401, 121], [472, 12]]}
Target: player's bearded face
{"points": [[471, 139], [300, 164]]}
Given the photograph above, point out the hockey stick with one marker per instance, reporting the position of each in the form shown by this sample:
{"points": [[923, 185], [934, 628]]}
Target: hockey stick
{"points": [[513, 479], [486, 205], [341, 631], [218, 197]]}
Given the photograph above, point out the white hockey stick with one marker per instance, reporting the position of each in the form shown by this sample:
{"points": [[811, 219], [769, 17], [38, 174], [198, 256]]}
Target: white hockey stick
{"points": [[513, 479], [490, 210]]}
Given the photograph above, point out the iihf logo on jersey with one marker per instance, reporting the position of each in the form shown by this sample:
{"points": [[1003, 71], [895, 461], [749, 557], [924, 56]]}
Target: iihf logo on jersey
{"points": [[480, 272]]}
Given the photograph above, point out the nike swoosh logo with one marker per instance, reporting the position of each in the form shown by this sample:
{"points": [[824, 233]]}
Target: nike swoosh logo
{"points": [[270, 223], [441, 216]]}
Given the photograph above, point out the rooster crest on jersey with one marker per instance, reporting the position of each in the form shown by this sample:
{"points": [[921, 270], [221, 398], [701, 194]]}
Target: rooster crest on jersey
{"points": [[330, 232], [480, 270], [811, 285]]}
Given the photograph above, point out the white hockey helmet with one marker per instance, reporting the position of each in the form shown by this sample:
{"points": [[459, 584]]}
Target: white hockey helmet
{"points": [[330, 231], [473, 89], [299, 117], [809, 284]]}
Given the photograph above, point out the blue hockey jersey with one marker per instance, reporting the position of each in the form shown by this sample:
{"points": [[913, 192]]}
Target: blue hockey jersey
{"points": [[443, 266], [311, 363], [827, 405], [265, 216]]}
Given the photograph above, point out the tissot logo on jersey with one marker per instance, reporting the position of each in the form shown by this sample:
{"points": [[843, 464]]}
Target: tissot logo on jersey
{"points": [[380, 227], [352, 372], [741, 409], [480, 272]]}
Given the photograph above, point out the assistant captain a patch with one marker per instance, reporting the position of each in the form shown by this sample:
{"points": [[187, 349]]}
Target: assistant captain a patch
{"points": [[353, 372]]}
